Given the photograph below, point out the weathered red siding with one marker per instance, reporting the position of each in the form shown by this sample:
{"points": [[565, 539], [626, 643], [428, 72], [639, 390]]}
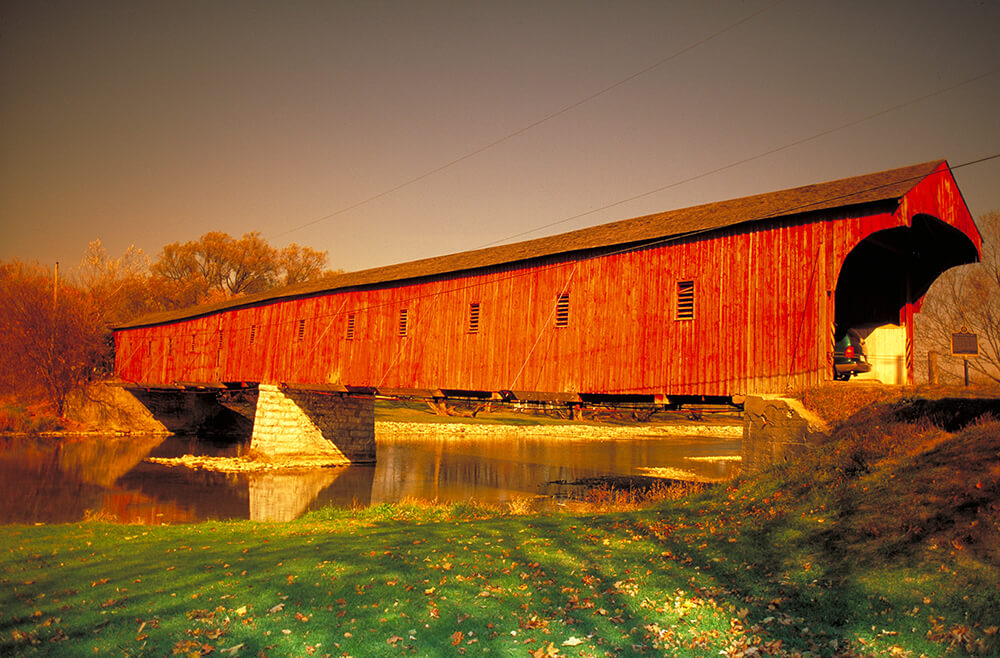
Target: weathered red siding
{"points": [[763, 313]]}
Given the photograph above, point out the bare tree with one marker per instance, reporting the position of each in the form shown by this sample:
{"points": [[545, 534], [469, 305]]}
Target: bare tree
{"points": [[967, 297], [118, 287]]}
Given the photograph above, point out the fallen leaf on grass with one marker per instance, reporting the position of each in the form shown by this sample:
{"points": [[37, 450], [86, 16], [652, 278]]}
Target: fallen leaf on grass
{"points": [[456, 638], [545, 652], [232, 650], [572, 642], [192, 648]]}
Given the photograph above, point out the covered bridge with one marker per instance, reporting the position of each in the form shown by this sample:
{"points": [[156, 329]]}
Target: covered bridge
{"points": [[719, 301]]}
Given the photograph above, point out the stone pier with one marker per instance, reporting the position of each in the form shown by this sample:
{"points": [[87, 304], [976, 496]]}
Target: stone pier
{"points": [[292, 423]]}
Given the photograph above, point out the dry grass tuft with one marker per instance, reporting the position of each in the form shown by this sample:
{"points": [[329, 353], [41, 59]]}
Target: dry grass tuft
{"points": [[521, 505], [608, 498]]}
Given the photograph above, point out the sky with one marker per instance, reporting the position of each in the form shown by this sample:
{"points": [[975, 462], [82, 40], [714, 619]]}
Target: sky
{"points": [[384, 131]]}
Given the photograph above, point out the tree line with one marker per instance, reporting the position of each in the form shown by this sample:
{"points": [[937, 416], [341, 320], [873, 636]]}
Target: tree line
{"points": [[55, 331]]}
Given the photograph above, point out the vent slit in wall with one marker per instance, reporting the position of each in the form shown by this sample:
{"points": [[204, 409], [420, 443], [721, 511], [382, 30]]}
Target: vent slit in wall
{"points": [[474, 318], [562, 310], [685, 300]]}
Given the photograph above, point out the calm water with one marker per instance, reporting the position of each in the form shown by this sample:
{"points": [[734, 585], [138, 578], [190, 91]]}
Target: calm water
{"points": [[65, 480]]}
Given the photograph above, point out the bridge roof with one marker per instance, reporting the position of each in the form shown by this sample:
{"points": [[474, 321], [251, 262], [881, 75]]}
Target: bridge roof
{"points": [[890, 185]]}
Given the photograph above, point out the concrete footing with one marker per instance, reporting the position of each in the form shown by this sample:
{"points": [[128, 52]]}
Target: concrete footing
{"points": [[777, 429]]}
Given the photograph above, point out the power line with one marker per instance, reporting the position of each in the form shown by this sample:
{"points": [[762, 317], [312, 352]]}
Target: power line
{"points": [[566, 108], [737, 163]]}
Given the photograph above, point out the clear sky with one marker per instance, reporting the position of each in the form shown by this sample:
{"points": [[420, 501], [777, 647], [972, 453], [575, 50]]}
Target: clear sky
{"points": [[387, 131]]}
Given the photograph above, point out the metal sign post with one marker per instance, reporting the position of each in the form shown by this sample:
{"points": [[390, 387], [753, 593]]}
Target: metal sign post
{"points": [[965, 344]]}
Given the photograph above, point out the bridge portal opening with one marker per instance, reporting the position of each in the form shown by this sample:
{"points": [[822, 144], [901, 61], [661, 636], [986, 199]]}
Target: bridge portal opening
{"points": [[883, 275]]}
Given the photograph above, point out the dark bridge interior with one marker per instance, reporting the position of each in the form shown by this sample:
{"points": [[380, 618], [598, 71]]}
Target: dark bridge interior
{"points": [[893, 267]]}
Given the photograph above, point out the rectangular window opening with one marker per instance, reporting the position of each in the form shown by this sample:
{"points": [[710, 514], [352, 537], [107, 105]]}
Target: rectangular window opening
{"points": [[350, 327], [253, 333], [685, 300], [402, 322], [474, 318], [562, 310], [302, 330]]}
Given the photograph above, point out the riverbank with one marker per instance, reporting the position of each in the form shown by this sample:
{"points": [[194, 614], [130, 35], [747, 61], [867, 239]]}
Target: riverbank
{"points": [[886, 541], [559, 431]]}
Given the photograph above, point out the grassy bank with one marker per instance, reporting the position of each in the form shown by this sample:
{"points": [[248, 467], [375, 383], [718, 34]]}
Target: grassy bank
{"points": [[884, 542], [21, 419]]}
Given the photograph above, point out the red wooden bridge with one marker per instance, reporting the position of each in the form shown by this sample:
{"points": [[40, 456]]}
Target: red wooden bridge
{"points": [[718, 301]]}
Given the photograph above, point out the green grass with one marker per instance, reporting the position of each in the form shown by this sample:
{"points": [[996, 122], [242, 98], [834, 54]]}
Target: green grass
{"points": [[883, 543]]}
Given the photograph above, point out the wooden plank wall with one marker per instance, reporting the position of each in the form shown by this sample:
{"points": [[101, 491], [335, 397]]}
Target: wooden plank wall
{"points": [[762, 315]]}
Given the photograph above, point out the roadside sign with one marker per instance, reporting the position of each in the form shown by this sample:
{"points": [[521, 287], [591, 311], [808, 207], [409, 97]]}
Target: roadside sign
{"points": [[964, 343]]}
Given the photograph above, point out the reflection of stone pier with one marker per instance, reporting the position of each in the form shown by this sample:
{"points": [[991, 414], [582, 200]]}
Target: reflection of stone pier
{"points": [[283, 496]]}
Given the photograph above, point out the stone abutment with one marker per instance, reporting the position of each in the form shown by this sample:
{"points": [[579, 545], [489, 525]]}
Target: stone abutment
{"points": [[300, 422], [776, 430]]}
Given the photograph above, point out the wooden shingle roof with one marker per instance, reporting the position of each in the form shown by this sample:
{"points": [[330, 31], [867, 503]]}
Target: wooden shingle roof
{"points": [[869, 188]]}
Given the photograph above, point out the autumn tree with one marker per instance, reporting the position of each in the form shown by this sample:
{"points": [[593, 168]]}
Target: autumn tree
{"points": [[967, 297], [53, 341], [300, 264], [51, 336], [217, 266]]}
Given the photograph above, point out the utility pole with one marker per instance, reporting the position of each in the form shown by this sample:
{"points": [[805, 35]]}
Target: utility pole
{"points": [[55, 303]]}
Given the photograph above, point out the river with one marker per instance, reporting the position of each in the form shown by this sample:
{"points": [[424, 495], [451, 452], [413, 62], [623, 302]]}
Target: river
{"points": [[50, 480]]}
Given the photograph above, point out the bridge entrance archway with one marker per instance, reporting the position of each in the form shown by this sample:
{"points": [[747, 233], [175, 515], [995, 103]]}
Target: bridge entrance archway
{"points": [[885, 276]]}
